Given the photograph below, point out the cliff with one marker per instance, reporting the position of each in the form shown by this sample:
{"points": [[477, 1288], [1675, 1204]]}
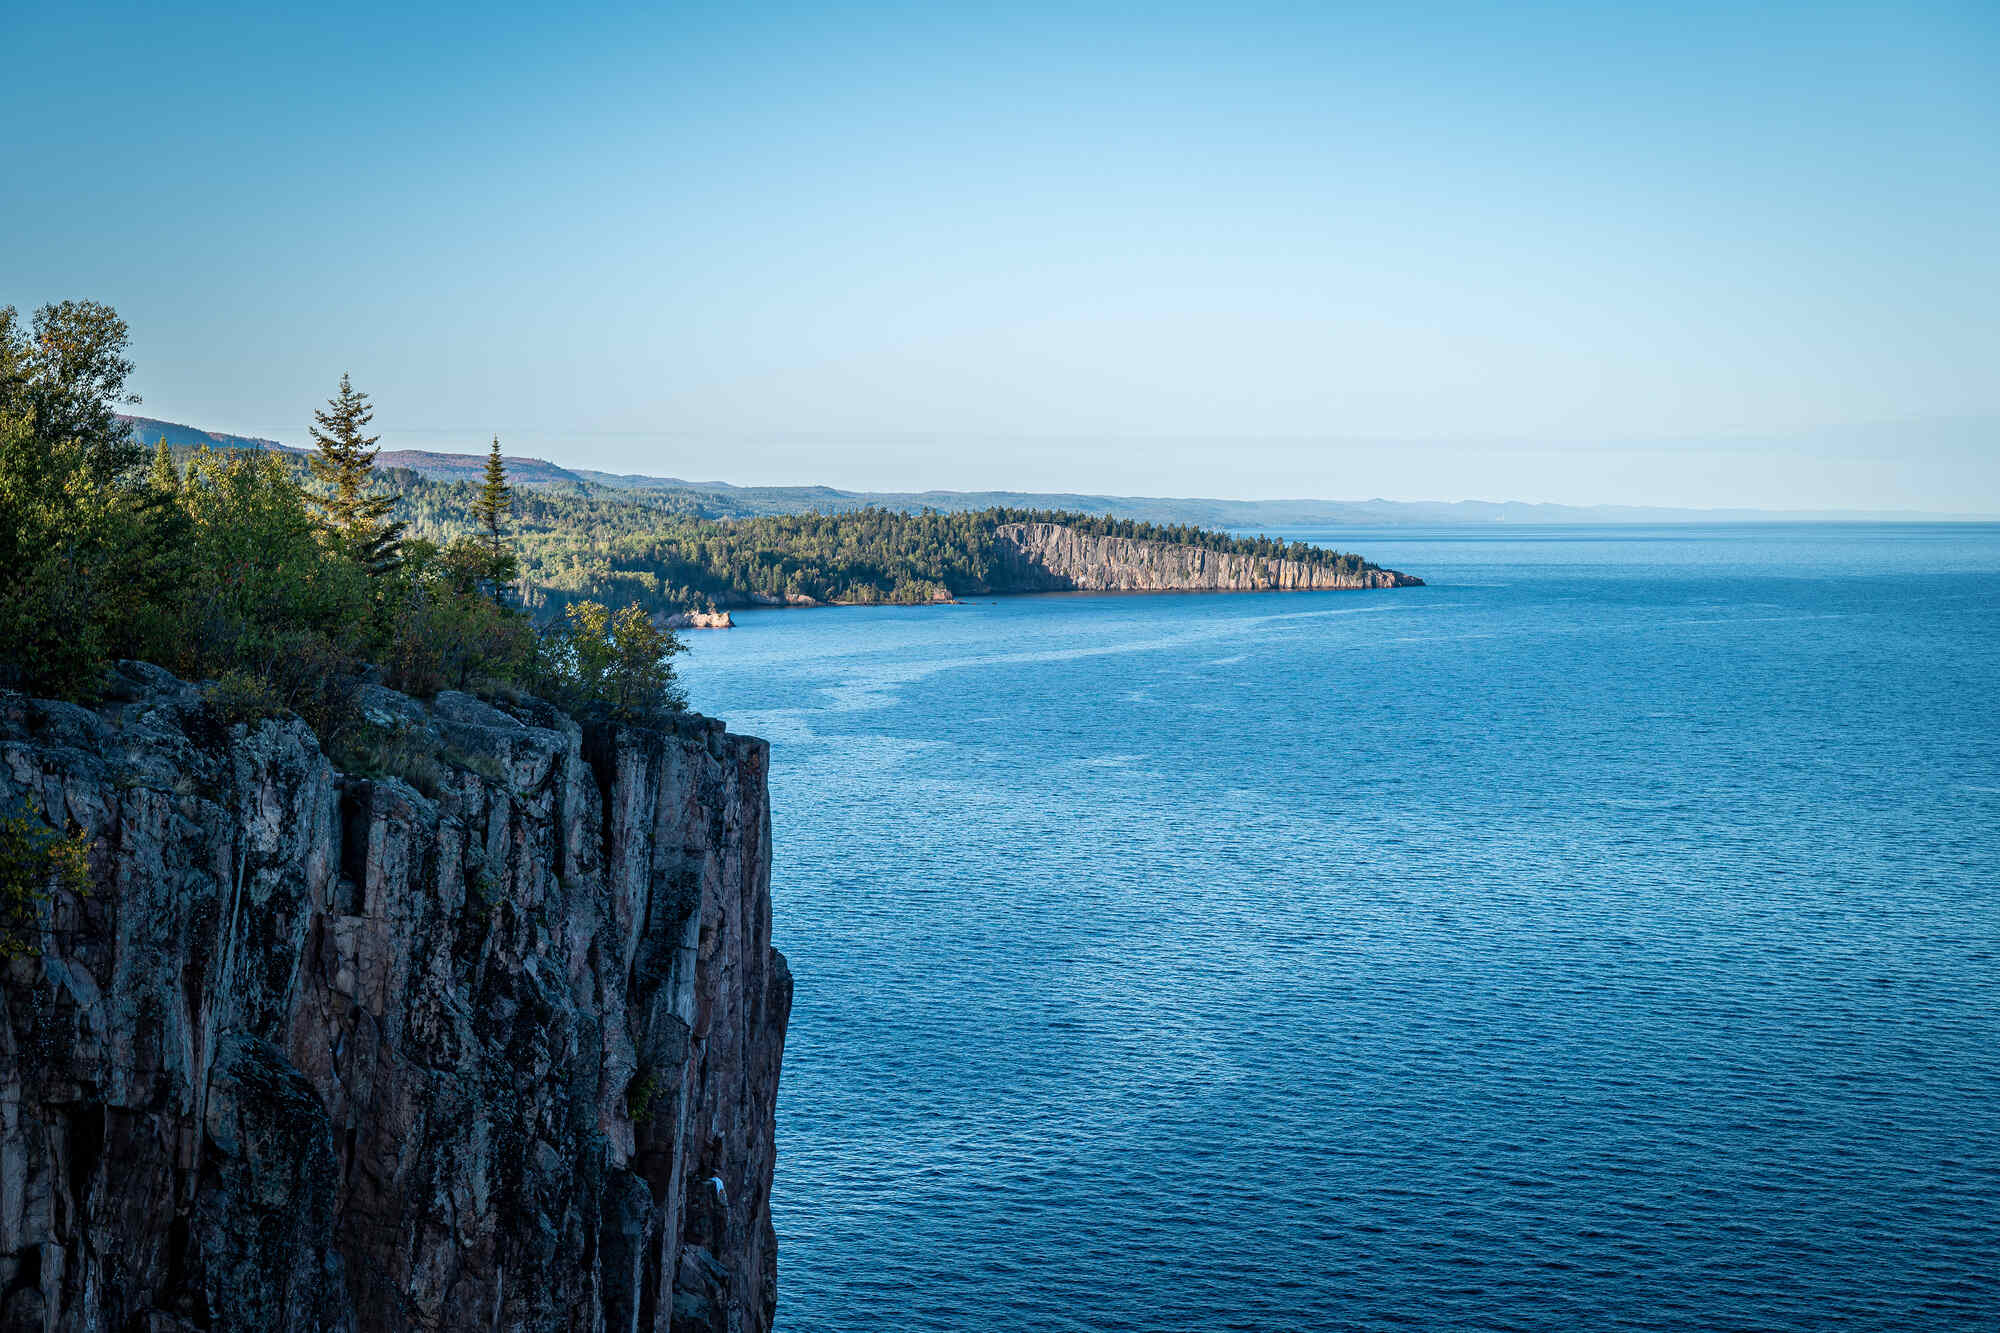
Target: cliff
{"points": [[323, 1052], [1048, 557], [700, 620]]}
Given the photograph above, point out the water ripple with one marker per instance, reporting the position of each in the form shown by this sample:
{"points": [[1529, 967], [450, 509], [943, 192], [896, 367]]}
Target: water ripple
{"points": [[1604, 937]]}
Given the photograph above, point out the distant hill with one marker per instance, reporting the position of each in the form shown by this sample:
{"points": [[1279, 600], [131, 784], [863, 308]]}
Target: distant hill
{"points": [[471, 467], [435, 466], [720, 499], [148, 431]]}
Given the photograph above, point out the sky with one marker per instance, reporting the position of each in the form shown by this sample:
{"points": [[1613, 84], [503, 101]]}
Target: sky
{"points": [[1670, 255]]}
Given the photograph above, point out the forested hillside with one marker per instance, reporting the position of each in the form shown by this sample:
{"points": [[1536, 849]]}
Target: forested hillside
{"points": [[667, 551], [650, 549]]}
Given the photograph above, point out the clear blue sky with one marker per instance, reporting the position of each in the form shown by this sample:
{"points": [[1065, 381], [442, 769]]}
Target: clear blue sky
{"points": [[1679, 254]]}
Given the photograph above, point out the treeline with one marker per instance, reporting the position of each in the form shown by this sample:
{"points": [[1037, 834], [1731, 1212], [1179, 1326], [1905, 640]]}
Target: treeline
{"points": [[650, 551], [284, 587]]}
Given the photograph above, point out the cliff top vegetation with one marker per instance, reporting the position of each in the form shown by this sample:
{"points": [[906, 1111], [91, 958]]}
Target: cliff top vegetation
{"points": [[241, 568]]}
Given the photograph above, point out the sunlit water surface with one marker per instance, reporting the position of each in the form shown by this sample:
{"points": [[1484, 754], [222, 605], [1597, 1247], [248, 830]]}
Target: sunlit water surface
{"points": [[1604, 936]]}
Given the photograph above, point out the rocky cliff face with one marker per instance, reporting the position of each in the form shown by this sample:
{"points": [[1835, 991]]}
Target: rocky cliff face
{"points": [[1048, 557], [323, 1052]]}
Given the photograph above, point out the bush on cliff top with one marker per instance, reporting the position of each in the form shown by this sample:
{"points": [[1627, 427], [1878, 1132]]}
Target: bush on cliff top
{"points": [[618, 660]]}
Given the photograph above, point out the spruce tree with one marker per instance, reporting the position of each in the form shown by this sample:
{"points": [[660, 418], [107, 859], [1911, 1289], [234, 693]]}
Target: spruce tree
{"points": [[345, 464], [495, 497], [489, 509], [164, 477]]}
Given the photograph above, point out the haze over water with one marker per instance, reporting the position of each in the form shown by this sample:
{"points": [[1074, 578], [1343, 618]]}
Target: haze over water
{"points": [[1604, 936]]}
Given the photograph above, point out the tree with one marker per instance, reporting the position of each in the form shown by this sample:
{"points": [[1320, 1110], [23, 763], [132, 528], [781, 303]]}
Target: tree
{"points": [[618, 661], [445, 631], [79, 549], [489, 508], [345, 465], [261, 574], [163, 477], [495, 497], [67, 374]]}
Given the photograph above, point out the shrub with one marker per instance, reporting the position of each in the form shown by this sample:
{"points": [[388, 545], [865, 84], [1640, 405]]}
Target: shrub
{"points": [[640, 1094], [619, 663], [317, 678], [443, 635], [262, 573], [241, 697], [485, 765], [35, 861]]}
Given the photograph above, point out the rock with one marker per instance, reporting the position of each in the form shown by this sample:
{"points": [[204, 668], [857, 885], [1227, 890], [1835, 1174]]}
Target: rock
{"points": [[320, 1052], [700, 620], [1049, 557]]}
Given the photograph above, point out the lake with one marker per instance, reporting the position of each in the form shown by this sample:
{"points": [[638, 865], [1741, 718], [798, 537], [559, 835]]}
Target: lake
{"points": [[1606, 935]]}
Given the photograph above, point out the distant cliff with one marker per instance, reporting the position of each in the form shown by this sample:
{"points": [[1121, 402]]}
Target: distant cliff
{"points": [[1051, 557], [323, 1052]]}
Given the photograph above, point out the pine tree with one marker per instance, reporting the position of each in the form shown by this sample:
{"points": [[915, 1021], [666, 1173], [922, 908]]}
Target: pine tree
{"points": [[164, 477], [345, 464], [489, 508], [495, 497]]}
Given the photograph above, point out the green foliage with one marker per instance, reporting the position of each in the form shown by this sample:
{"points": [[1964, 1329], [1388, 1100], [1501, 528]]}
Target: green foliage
{"points": [[85, 546], [66, 372], [35, 862], [617, 662], [495, 497], [214, 562], [443, 633], [262, 572], [345, 466], [471, 566], [59, 536], [238, 696], [640, 1094]]}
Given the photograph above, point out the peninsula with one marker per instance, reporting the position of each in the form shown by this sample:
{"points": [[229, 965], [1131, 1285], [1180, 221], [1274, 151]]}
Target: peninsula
{"points": [[628, 549]]}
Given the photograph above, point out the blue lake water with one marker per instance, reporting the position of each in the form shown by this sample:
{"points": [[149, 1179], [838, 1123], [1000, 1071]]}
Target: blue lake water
{"points": [[1604, 936]]}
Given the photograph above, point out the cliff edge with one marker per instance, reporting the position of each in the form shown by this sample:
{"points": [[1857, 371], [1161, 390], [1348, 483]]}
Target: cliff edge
{"points": [[319, 1051], [1049, 557]]}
